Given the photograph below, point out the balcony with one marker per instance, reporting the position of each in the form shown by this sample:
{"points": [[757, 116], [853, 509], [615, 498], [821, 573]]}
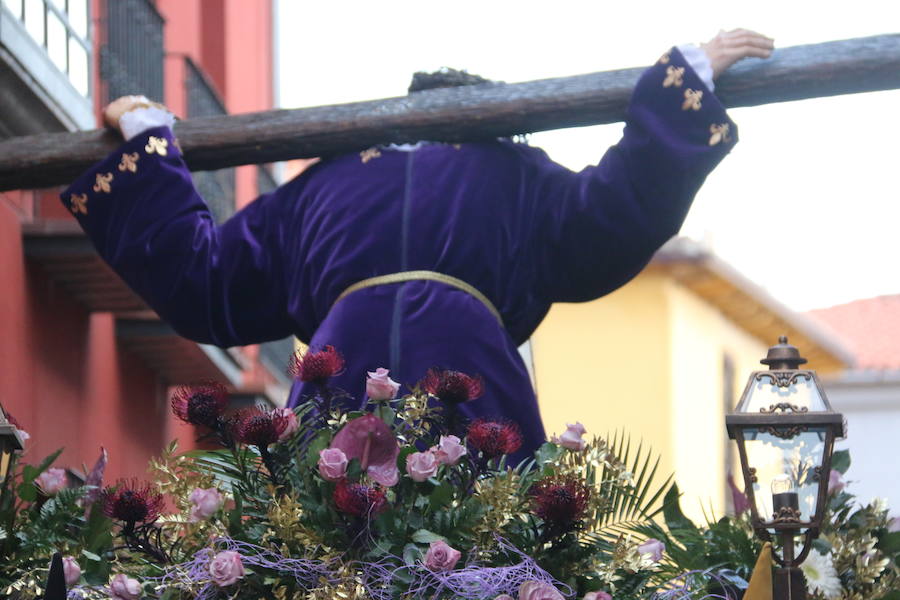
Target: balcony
{"points": [[45, 66], [131, 55]]}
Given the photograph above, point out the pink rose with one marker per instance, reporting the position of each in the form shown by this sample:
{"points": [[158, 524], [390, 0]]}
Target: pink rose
{"points": [[597, 596], [571, 438], [332, 464], [441, 557], [504, 597], [835, 482], [422, 465], [51, 481], [449, 450], [381, 387], [206, 503], [653, 548], [538, 590], [292, 423], [226, 568], [71, 571], [122, 587]]}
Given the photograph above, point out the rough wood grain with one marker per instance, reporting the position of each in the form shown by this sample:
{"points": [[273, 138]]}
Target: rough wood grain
{"points": [[477, 112]]}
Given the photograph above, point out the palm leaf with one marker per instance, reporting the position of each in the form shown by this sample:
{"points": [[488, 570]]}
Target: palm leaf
{"points": [[628, 507]]}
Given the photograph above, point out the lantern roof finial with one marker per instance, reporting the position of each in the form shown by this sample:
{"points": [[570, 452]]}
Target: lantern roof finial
{"points": [[783, 356]]}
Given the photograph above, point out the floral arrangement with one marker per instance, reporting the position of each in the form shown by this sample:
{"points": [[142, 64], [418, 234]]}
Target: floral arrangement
{"points": [[399, 498], [402, 498], [856, 557]]}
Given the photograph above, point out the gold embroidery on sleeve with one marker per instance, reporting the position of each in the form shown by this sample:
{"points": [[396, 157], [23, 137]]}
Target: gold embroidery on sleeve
{"points": [[102, 184], [719, 133], [129, 162], [692, 99], [367, 155], [674, 76], [79, 204], [664, 59], [157, 145]]}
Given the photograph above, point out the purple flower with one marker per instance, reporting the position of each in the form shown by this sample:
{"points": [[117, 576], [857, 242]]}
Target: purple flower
{"points": [[422, 465], [317, 367], [441, 557], [132, 503], [653, 548], [51, 482], [256, 427], [835, 482], [71, 571], [538, 590], [380, 387], [494, 438], [332, 464], [571, 437], [452, 387], [205, 503], [122, 587], [372, 442], [359, 500], [226, 568], [597, 596], [200, 404], [738, 498]]}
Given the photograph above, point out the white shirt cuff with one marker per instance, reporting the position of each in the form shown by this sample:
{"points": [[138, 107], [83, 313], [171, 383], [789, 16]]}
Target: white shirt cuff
{"points": [[139, 120], [699, 61]]}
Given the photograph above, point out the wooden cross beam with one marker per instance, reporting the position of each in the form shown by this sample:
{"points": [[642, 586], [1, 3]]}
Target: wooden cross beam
{"points": [[458, 114]]}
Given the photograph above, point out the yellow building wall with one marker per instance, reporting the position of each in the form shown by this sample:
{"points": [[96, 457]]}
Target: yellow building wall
{"points": [[605, 363], [648, 359], [701, 337]]}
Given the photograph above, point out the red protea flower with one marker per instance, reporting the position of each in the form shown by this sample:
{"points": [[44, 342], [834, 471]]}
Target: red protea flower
{"points": [[452, 387], [561, 502], [256, 427], [132, 502], [494, 438], [200, 404], [317, 367], [359, 500]]}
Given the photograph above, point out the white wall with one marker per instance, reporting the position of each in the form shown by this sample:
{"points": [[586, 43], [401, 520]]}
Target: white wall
{"points": [[870, 401]]}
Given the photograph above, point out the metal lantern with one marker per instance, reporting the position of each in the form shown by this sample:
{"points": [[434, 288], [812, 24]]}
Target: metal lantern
{"points": [[785, 431], [10, 445]]}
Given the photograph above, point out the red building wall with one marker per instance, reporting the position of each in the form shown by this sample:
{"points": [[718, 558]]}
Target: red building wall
{"points": [[63, 372]]}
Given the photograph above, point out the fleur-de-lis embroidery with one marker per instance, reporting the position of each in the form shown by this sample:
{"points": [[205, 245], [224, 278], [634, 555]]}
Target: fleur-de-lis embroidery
{"points": [[457, 146], [102, 182], [158, 145], [129, 162], [79, 203], [674, 76], [719, 133], [367, 155], [664, 59], [692, 99]]}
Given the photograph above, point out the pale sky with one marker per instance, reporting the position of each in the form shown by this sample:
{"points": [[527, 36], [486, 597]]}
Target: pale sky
{"points": [[808, 203]]}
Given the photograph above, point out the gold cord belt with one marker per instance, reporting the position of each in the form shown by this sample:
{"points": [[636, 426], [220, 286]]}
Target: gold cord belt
{"points": [[419, 276]]}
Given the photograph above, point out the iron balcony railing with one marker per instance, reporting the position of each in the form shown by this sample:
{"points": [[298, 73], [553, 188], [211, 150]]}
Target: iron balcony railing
{"points": [[131, 58], [216, 187]]}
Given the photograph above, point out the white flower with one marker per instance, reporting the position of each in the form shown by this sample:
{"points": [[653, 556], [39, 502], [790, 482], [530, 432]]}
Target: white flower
{"points": [[821, 575]]}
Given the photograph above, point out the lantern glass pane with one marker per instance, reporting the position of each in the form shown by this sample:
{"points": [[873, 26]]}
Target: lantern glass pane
{"points": [[764, 393], [786, 470]]}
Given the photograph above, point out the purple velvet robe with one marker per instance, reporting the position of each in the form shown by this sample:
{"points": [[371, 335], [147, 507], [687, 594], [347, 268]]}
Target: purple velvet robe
{"points": [[501, 216]]}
